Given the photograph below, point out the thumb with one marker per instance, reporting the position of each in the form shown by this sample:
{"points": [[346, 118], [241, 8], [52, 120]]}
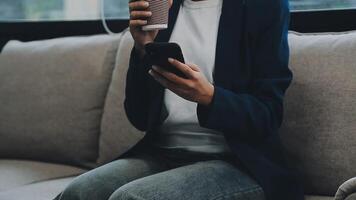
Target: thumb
{"points": [[170, 3]]}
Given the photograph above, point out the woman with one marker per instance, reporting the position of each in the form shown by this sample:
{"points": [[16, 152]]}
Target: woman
{"points": [[213, 134]]}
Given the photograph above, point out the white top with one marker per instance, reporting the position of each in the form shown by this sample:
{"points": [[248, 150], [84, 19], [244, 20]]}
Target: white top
{"points": [[196, 31]]}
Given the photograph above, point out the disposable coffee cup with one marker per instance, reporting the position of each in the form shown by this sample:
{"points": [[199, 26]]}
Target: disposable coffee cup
{"points": [[159, 17]]}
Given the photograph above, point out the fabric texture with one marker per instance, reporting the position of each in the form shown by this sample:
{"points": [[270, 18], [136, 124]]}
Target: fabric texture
{"points": [[45, 190], [351, 197], [16, 173], [319, 129], [52, 98], [148, 175], [117, 133], [251, 77]]}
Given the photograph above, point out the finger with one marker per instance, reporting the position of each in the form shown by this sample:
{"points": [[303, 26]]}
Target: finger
{"points": [[170, 3], [161, 79], [140, 15], [138, 5], [194, 67], [182, 67], [170, 76], [167, 84], [138, 22]]}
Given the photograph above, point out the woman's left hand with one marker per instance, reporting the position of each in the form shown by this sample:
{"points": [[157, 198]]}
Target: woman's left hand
{"points": [[194, 88]]}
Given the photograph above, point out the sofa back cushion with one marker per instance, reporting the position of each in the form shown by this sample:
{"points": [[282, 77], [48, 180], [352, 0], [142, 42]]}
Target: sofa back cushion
{"points": [[319, 129], [117, 133], [52, 98]]}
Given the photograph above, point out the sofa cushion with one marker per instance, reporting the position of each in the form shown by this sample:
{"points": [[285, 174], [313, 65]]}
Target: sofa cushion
{"points": [[15, 173], [117, 133], [52, 98], [319, 129], [45, 190]]}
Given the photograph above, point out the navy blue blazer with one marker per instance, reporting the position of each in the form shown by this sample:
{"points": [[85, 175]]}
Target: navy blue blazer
{"points": [[250, 79]]}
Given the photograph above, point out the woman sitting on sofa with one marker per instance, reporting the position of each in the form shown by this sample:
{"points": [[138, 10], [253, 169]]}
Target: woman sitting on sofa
{"points": [[214, 133]]}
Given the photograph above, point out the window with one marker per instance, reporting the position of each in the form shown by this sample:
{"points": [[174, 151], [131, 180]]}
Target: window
{"points": [[322, 4], [38, 10]]}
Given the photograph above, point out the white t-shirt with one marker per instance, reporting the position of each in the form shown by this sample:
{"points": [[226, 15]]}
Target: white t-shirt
{"points": [[196, 31]]}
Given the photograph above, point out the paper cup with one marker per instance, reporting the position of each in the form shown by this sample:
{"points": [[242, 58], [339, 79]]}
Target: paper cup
{"points": [[159, 18]]}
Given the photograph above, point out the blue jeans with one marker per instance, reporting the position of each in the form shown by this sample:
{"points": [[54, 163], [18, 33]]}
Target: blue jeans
{"points": [[154, 176]]}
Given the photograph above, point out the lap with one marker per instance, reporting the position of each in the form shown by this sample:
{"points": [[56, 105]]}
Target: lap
{"points": [[101, 182], [208, 180]]}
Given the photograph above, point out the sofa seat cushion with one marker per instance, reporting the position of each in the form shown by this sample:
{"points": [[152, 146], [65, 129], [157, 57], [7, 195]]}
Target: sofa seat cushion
{"points": [[318, 198], [45, 190], [16, 173]]}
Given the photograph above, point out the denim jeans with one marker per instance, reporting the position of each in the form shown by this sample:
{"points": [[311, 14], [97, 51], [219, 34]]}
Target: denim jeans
{"points": [[152, 175]]}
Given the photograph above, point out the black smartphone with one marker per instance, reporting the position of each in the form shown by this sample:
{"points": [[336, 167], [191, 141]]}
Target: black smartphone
{"points": [[159, 52]]}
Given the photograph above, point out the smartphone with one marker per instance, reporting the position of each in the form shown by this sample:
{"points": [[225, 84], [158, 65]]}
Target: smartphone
{"points": [[159, 52]]}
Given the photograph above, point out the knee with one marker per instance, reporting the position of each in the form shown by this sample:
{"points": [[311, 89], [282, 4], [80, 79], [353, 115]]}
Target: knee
{"points": [[126, 193], [76, 190]]}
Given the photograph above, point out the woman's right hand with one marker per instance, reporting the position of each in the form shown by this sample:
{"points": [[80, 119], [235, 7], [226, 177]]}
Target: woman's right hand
{"points": [[139, 14]]}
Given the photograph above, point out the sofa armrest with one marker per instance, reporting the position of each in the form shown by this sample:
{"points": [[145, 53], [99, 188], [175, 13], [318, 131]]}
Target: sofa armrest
{"points": [[347, 191]]}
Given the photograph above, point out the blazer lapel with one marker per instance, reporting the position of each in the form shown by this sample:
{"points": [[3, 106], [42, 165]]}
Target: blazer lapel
{"points": [[229, 52], [164, 35]]}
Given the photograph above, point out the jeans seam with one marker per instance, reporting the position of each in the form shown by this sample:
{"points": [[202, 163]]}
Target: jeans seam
{"points": [[235, 193]]}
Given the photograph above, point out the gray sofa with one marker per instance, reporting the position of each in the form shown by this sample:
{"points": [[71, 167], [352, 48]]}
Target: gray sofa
{"points": [[61, 112]]}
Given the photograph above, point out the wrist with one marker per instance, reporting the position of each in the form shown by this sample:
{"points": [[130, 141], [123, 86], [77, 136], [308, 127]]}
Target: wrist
{"points": [[208, 98], [140, 50]]}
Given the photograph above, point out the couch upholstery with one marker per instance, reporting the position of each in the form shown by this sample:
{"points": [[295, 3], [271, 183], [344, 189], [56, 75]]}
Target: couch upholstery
{"points": [[111, 133], [34, 180], [15, 173], [324, 76], [114, 119], [319, 129], [54, 92], [44, 190], [67, 104]]}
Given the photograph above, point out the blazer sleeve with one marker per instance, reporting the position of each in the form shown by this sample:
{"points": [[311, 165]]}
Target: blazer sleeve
{"points": [[136, 101], [257, 114]]}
